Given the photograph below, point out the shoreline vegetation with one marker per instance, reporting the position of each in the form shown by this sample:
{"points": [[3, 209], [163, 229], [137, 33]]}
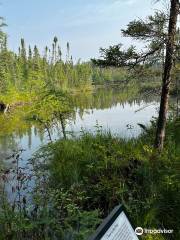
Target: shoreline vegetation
{"points": [[70, 185], [26, 73], [78, 181]]}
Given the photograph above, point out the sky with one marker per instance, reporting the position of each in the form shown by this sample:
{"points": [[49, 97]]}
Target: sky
{"points": [[86, 24]]}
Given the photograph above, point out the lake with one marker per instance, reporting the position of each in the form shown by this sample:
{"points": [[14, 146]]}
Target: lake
{"points": [[113, 109]]}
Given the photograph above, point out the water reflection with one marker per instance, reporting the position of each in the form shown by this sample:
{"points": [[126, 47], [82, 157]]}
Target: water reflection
{"points": [[112, 108], [121, 119]]}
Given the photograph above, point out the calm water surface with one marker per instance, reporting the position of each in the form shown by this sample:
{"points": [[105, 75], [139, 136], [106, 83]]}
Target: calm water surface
{"points": [[110, 109]]}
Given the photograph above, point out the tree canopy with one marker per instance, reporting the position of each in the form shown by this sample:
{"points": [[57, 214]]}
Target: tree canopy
{"points": [[152, 32]]}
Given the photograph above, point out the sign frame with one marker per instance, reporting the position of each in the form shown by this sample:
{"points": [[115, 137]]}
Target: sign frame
{"points": [[108, 222]]}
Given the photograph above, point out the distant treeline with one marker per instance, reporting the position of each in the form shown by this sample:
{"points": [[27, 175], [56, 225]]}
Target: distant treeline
{"points": [[25, 69], [27, 66]]}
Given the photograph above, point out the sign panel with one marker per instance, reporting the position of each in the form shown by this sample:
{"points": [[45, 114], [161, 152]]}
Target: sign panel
{"points": [[115, 227]]}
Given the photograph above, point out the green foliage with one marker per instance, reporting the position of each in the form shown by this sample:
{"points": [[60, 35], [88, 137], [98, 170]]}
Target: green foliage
{"points": [[29, 71], [107, 171], [24, 71], [153, 32], [114, 56], [78, 181], [111, 76], [153, 28], [13, 96], [2, 34], [48, 214]]}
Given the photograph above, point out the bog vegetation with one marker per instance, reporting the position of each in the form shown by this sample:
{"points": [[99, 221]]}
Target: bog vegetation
{"points": [[71, 184]]}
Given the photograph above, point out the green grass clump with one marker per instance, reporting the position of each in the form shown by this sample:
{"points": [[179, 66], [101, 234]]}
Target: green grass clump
{"points": [[80, 180], [109, 171]]}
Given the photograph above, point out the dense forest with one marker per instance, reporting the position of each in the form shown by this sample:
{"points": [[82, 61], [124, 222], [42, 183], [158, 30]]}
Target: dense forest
{"points": [[71, 180]]}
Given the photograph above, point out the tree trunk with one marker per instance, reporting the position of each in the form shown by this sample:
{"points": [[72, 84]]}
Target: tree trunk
{"points": [[170, 47], [63, 126]]}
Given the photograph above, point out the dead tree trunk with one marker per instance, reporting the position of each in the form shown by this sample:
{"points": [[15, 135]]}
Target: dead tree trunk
{"points": [[170, 47]]}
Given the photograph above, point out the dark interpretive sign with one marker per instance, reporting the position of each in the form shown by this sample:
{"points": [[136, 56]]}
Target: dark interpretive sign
{"points": [[115, 227]]}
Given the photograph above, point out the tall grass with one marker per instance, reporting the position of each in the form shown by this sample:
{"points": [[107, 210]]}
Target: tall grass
{"points": [[78, 181], [109, 171]]}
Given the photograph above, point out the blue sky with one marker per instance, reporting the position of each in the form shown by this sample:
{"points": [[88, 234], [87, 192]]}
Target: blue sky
{"points": [[87, 25]]}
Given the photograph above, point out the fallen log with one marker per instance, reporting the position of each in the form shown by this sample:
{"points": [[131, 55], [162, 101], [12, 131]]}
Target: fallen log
{"points": [[4, 108], [7, 108]]}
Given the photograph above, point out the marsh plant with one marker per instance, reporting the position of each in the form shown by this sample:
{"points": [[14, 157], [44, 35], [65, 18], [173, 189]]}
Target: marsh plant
{"points": [[76, 182]]}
